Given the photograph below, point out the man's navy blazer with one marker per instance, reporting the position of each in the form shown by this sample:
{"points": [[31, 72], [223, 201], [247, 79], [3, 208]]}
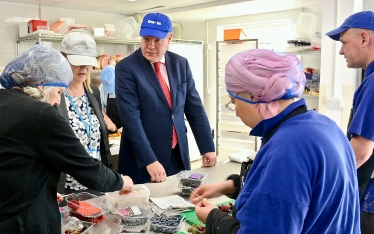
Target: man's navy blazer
{"points": [[147, 118]]}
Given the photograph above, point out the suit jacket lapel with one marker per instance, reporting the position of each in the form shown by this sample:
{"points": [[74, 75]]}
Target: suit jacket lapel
{"points": [[148, 71], [172, 74], [95, 106], [63, 108]]}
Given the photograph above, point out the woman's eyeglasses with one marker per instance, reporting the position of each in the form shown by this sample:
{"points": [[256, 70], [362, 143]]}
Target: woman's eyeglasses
{"points": [[230, 105], [254, 99]]}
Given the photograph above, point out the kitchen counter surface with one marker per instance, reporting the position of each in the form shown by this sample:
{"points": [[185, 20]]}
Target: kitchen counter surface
{"points": [[170, 187]]}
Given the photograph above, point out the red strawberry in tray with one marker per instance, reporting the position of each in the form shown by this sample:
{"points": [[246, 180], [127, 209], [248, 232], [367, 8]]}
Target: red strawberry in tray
{"points": [[73, 204]]}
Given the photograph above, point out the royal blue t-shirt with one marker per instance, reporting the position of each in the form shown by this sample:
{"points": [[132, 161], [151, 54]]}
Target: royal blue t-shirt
{"points": [[363, 125]]}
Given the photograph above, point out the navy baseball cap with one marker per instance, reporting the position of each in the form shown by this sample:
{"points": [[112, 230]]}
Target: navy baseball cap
{"points": [[363, 19], [156, 25]]}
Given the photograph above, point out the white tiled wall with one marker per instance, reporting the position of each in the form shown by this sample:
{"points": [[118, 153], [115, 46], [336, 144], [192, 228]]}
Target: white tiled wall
{"points": [[13, 14]]}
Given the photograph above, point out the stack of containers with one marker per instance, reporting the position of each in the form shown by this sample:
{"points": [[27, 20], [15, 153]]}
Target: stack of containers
{"points": [[188, 181], [86, 207], [133, 208]]}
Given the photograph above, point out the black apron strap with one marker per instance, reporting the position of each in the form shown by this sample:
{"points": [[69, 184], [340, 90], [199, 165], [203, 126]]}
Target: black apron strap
{"points": [[366, 170]]}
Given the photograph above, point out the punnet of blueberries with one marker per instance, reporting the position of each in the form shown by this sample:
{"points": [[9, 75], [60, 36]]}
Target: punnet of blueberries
{"points": [[166, 224]]}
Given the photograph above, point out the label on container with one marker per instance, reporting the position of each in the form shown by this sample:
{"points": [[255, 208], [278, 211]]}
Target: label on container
{"points": [[196, 176], [134, 210]]}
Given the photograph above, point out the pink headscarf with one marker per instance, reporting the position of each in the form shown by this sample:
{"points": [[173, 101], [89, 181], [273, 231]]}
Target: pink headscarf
{"points": [[266, 74]]}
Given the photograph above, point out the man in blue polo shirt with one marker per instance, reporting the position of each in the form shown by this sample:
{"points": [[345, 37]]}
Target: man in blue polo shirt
{"points": [[357, 37]]}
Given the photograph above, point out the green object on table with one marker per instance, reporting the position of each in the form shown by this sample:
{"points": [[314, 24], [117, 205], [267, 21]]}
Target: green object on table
{"points": [[180, 233], [191, 218]]}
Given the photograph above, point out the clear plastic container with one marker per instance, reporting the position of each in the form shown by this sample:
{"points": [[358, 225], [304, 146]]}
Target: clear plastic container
{"points": [[135, 219], [85, 204], [166, 224], [186, 190], [42, 28], [95, 219], [109, 30], [59, 27], [69, 21], [132, 23], [189, 178], [77, 226], [138, 197]]}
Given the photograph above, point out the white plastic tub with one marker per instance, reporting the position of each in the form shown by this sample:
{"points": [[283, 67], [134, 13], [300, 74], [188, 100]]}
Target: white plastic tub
{"points": [[138, 197]]}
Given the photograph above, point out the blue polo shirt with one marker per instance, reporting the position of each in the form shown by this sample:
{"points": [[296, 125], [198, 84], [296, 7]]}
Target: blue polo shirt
{"points": [[363, 125], [302, 181]]}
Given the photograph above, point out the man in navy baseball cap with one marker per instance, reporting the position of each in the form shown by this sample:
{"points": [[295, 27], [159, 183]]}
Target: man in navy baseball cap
{"points": [[363, 19], [357, 37], [156, 25], [155, 89]]}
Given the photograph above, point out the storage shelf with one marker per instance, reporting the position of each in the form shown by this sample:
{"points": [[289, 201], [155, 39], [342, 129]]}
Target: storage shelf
{"points": [[305, 52], [102, 40]]}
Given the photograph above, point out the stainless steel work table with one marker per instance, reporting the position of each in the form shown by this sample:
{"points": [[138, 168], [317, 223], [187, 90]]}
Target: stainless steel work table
{"points": [[170, 187]]}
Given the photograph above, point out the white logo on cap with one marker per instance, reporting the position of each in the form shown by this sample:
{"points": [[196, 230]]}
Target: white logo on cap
{"points": [[154, 22]]}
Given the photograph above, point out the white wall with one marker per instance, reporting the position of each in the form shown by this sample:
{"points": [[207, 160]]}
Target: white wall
{"points": [[13, 14]]}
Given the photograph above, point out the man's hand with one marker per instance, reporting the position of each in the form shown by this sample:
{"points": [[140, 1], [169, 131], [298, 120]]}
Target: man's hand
{"points": [[60, 198], [157, 172], [127, 185], [119, 130], [209, 159], [203, 209]]}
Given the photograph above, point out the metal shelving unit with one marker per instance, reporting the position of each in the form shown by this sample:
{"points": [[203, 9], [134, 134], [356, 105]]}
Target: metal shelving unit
{"points": [[232, 134], [52, 37]]}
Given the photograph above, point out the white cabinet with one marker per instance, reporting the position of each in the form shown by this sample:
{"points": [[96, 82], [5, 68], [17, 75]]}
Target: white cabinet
{"points": [[232, 134]]}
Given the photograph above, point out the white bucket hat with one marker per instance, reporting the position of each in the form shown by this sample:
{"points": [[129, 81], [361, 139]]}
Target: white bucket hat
{"points": [[80, 49]]}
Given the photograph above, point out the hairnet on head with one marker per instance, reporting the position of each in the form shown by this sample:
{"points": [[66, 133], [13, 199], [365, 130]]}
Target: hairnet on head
{"points": [[266, 74], [37, 66]]}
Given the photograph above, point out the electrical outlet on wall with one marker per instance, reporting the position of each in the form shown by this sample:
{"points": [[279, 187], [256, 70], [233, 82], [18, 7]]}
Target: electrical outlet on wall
{"points": [[333, 102]]}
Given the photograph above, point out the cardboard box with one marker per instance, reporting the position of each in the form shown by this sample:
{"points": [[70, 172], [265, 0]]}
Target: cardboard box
{"points": [[232, 34]]}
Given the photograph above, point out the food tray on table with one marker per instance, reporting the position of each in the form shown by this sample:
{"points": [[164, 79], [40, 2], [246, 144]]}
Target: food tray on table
{"points": [[86, 207], [166, 224], [75, 226], [189, 178], [95, 219]]}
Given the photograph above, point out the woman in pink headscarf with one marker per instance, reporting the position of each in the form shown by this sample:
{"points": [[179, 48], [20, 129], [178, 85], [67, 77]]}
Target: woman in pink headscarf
{"points": [[303, 179]]}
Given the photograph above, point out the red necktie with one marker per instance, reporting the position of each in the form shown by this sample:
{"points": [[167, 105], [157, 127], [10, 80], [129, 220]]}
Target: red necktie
{"points": [[166, 91]]}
